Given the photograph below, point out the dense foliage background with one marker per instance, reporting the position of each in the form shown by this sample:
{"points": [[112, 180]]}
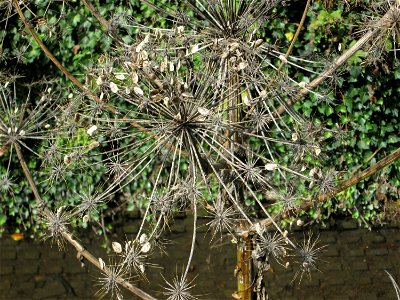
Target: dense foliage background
{"points": [[366, 105]]}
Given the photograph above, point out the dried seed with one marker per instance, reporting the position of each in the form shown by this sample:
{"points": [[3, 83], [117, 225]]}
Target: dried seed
{"points": [[102, 264], [138, 91], [91, 130], [120, 76], [271, 166], [135, 78], [114, 88], [116, 247]]}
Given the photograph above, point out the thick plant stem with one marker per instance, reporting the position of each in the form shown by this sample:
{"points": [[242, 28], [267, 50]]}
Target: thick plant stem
{"points": [[82, 252], [244, 269], [387, 160]]}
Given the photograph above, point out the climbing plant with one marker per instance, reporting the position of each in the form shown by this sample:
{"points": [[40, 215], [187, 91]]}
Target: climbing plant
{"points": [[202, 106]]}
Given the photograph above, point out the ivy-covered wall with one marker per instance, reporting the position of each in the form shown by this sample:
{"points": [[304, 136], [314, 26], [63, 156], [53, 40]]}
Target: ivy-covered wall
{"points": [[365, 105]]}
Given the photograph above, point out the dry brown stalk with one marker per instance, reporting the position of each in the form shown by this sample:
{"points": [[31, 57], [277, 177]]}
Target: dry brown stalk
{"points": [[387, 160], [68, 74], [385, 22], [68, 236]]}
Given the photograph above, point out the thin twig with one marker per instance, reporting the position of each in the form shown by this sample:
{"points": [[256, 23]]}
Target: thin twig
{"points": [[295, 37], [68, 74], [385, 22], [68, 236], [96, 14]]}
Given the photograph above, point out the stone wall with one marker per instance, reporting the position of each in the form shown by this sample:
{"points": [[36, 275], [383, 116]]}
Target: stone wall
{"points": [[355, 260]]}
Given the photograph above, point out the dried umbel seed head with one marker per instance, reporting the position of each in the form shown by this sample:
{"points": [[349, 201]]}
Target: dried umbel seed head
{"points": [[56, 224], [179, 288], [26, 120], [110, 279], [134, 260], [272, 245], [307, 256]]}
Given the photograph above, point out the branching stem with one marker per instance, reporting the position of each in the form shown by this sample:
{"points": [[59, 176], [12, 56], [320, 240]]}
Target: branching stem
{"points": [[387, 160], [68, 236], [385, 22]]}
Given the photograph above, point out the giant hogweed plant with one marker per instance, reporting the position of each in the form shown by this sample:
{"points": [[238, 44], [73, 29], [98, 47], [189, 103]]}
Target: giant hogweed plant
{"points": [[205, 102]]}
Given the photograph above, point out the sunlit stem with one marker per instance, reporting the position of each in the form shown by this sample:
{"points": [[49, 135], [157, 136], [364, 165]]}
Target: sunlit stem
{"points": [[67, 236]]}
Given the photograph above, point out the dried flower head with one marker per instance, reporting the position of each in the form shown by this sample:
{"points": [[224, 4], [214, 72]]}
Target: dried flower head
{"points": [[109, 282], [307, 256], [179, 288], [134, 257], [24, 121], [271, 245], [223, 218], [56, 224]]}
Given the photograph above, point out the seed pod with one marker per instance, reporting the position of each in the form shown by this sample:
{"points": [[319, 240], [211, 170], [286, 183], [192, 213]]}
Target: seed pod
{"points": [[120, 76], [141, 267], [91, 130], [146, 247], [143, 238], [158, 33], [317, 150], [194, 49], [138, 91], [179, 30], [271, 166], [166, 101], [102, 264], [302, 84], [116, 247], [258, 43], [283, 58], [85, 218], [114, 88], [263, 93], [99, 80], [242, 65], [234, 46], [203, 111], [93, 145], [135, 78], [246, 100]]}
